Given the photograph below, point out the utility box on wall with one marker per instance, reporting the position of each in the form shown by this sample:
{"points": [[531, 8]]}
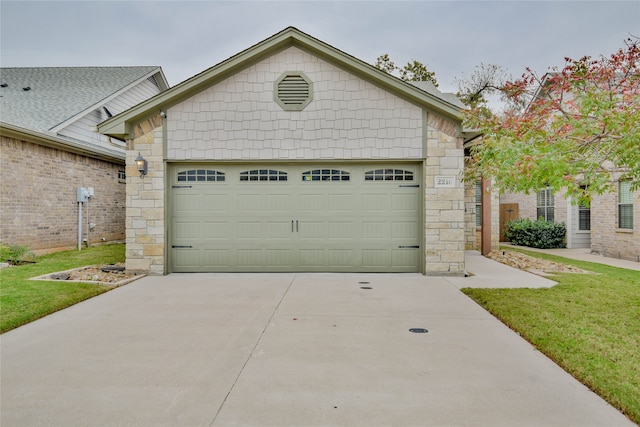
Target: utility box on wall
{"points": [[83, 194]]}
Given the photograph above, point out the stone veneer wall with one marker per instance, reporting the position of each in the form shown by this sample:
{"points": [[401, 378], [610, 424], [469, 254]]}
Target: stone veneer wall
{"points": [[444, 207], [38, 200], [146, 200]]}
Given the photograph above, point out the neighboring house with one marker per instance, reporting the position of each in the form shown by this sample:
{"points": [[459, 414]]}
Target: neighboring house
{"points": [[295, 156], [610, 226], [50, 147]]}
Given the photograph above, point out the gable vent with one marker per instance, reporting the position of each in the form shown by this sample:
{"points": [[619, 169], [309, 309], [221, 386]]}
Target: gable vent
{"points": [[293, 91]]}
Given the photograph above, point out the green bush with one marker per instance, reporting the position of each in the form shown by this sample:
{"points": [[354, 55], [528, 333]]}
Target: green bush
{"points": [[15, 254], [536, 234]]}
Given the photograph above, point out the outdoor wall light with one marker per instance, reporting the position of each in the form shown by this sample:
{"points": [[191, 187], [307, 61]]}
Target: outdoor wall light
{"points": [[142, 165]]}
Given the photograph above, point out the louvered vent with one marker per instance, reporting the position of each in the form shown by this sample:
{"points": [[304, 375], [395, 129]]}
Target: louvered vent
{"points": [[293, 91]]}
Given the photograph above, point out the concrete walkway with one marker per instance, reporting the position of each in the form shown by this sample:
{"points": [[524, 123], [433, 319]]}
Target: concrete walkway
{"points": [[285, 350], [584, 255]]}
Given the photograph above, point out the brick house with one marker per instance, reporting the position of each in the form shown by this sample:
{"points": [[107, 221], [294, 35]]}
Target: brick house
{"points": [[50, 147], [610, 226], [295, 156]]}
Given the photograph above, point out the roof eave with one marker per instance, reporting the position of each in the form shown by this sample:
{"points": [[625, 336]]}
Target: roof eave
{"points": [[16, 132]]}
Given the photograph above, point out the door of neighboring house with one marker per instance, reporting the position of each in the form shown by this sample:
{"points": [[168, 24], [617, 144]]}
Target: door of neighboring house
{"points": [[508, 212]]}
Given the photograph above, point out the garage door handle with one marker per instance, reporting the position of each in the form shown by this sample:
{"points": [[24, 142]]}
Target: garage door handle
{"points": [[297, 226], [409, 186], [181, 247], [409, 247], [181, 186], [292, 226]]}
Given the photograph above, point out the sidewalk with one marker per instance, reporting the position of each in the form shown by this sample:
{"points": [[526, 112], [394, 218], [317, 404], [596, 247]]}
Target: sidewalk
{"points": [[583, 254]]}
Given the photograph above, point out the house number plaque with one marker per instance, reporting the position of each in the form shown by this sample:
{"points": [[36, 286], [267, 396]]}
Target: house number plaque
{"points": [[445, 181]]}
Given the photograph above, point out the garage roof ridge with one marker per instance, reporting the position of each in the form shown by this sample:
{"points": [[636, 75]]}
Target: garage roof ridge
{"points": [[119, 125]]}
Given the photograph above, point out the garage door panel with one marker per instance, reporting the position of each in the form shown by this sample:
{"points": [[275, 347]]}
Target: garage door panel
{"points": [[310, 202], [187, 229], [249, 203], [375, 229], [215, 257], [341, 258], [187, 258], [215, 230], [186, 203], [340, 229], [405, 230], [310, 229], [280, 230], [250, 258], [312, 258], [404, 202], [249, 230], [375, 202], [340, 221], [404, 257], [340, 202], [278, 258]]}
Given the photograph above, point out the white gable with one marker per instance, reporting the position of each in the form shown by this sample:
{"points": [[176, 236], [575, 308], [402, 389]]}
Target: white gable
{"points": [[348, 117]]}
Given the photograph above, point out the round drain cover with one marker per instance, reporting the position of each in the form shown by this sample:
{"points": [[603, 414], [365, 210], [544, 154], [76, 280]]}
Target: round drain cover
{"points": [[418, 330]]}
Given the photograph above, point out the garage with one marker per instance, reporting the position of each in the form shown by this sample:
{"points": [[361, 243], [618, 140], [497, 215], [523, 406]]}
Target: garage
{"points": [[294, 156], [306, 217]]}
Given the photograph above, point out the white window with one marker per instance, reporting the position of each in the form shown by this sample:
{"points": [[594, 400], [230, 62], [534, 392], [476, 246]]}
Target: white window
{"points": [[200, 175], [263, 175], [388, 175], [625, 205], [545, 205], [325, 175]]}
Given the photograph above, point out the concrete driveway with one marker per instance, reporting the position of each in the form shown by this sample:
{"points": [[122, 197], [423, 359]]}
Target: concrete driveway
{"points": [[285, 350]]}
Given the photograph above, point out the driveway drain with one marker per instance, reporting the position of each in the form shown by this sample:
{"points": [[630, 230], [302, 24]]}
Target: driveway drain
{"points": [[418, 330]]}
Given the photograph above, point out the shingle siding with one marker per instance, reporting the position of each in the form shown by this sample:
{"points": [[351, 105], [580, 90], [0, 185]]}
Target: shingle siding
{"points": [[348, 118]]}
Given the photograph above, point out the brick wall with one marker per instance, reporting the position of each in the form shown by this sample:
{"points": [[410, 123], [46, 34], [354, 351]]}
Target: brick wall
{"points": [[38, 203], [606, 238]]}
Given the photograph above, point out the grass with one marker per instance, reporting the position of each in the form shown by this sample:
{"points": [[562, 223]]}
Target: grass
{"points": [[589, 324], [23, 300]]}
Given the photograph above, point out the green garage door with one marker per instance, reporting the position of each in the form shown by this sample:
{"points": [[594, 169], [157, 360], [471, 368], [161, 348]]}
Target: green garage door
{"points": [[284, 217]]}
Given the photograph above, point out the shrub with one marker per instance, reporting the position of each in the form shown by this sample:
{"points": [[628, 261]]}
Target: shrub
{"points": [[15, 254], [536, 234]]}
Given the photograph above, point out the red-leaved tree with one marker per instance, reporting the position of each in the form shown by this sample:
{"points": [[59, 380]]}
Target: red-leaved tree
{"points": [[571, 128]]}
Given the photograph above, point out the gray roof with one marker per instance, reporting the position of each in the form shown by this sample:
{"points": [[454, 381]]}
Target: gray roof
{"points": [[59, 93], [430, 88]]}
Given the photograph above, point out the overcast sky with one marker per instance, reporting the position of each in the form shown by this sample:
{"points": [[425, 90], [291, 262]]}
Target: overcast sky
{"points": [[187, 37]]}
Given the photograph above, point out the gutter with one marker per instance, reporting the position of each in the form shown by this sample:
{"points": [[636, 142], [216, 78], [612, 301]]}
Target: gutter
{"points": [[48, 140]]}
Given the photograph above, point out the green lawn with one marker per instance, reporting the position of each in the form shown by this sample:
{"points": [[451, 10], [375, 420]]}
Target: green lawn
{"points": [[589, 324], [23, 300]]}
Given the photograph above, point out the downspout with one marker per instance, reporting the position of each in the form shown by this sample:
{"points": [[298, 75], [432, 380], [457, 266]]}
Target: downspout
{"points": [[485, 244]]}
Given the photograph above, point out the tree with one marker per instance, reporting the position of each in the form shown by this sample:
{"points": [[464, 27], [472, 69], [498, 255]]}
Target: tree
{"points": [[485, 80], [414, 71], [579, 126]]}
